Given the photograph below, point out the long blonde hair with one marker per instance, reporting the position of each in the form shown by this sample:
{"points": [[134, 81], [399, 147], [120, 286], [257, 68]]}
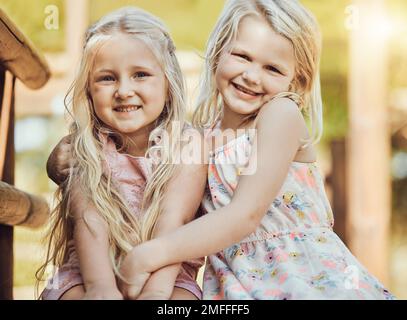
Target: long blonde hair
{"points": [[124, 229], [289, 19]]}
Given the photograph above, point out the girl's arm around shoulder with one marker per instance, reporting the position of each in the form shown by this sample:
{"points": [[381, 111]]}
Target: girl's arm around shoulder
{"points": [[279, 131], [59, 161]]}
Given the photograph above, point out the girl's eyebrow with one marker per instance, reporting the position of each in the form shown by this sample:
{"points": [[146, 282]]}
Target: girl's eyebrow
{"points": [[104, 70], [278, 66], [133, 67]]}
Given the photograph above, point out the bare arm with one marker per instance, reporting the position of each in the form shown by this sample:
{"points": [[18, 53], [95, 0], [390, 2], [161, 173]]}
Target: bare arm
{"points": [[279, 128], [90, 230], [92, 246], [182, 200]]}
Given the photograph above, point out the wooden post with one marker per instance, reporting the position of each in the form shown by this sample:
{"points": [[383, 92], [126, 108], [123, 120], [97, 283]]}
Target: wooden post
{"points": [[369, 185], [18, 55], [77, 21], [338, 184], [6, 232]]}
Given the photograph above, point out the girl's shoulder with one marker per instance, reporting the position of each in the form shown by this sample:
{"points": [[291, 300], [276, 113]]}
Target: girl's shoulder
{"points": [[285, 113], [278, 109]]}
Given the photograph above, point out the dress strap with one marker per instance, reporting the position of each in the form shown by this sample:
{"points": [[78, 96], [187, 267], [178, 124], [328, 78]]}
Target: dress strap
{"points": [[292, 96]]}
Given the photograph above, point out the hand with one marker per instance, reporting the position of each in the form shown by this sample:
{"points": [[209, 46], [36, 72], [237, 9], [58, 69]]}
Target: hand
{"points": [[134, 274], [60, 161], [102, 292], [160, 285]]}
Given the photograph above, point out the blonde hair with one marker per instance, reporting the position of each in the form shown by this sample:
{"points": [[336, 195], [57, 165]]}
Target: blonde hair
{"points": [[289, 19], [124, 229]]}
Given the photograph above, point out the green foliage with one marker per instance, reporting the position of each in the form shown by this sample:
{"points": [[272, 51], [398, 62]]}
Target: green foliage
{"points": [[31, 171], [29, 16], [190, 22]]}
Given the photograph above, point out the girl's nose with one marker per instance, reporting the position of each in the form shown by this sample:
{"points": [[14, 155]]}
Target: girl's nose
{"points": [[251, 76], [124, 90]]}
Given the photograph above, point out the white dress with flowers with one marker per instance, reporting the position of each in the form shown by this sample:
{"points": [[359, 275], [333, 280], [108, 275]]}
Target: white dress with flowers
{"points": [[294, 253]]}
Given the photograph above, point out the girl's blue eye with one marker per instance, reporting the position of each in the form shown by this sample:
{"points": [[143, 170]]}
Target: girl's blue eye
{"points": [[273, 69], [141, 74], [106, 78], [242, 56]]}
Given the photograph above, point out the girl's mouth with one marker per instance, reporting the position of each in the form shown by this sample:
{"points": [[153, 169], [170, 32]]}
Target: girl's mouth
{"points": [[126, 108], [245, 90]]}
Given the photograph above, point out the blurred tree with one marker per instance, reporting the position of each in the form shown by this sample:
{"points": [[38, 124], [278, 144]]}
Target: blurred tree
{"points": [[30, 17]]}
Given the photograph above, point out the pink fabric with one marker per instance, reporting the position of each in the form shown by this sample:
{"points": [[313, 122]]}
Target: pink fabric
{"points": [[130, 175]]}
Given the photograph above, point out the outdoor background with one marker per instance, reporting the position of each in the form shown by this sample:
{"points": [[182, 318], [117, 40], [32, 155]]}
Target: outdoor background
{"points": [[40, 114]]}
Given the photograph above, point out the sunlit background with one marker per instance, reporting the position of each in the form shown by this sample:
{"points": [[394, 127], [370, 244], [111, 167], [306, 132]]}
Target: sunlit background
{"points": [[41, 122]]}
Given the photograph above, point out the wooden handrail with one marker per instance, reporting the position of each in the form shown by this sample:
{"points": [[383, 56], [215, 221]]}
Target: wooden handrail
{"points": [[21, 208], [19, 55]]}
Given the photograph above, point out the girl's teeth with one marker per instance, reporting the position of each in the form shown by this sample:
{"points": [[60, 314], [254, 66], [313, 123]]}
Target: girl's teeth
{"points": [[246, 91], [126, 109]]}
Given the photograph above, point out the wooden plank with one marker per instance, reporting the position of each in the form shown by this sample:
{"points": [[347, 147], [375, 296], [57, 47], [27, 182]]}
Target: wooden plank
{"points": [[76, 24], [6, 232], [20, 208], [338, 184], [19, 55]]}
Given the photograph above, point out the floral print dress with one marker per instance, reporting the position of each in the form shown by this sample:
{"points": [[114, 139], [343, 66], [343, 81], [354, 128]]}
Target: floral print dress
{"points": [[293, 253]]}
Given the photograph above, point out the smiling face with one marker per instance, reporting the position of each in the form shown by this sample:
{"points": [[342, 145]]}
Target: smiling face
{"points": [[127, 84], [256, 66]]}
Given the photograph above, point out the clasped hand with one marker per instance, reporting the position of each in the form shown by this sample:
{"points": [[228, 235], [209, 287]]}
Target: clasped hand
{"points": [[134, 273]]}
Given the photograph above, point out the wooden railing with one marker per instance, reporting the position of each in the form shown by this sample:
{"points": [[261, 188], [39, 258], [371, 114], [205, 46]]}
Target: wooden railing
{"points": [[18, 60]]}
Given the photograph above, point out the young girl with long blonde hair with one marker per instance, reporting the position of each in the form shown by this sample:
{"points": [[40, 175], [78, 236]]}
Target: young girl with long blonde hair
{"points": [[129, 88], [268, 234]]}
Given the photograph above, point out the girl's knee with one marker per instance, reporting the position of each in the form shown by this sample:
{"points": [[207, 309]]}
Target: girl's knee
{"points": [[182, 294], [75, 293]]}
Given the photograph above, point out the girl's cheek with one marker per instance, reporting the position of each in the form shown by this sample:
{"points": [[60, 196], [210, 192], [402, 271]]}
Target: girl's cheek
{"points": [[275, 85], [159, 89], [230, 65], [96, 89], [105, 91], [226, 71]]}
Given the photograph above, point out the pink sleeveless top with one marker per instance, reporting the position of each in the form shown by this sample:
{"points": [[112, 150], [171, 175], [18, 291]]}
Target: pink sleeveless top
{"points": [[130, 175]]}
